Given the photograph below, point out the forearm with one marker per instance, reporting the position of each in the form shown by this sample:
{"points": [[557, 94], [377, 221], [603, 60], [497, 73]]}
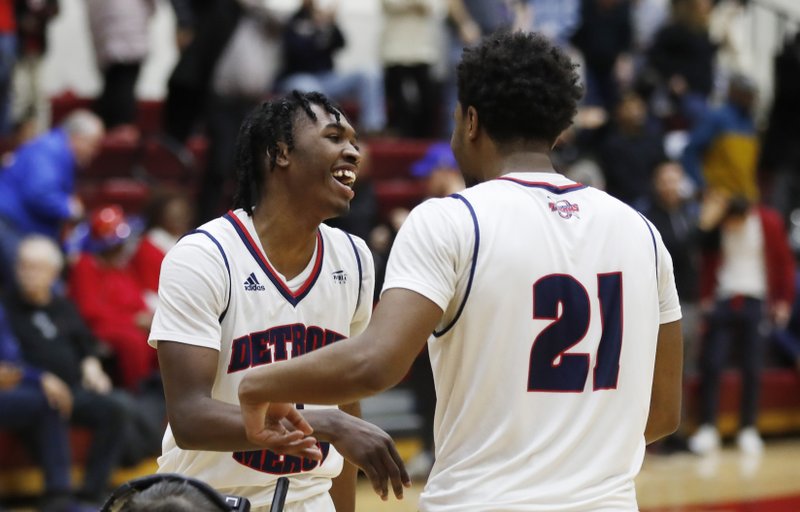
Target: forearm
{"points": [[343, 490], [307, 379]]}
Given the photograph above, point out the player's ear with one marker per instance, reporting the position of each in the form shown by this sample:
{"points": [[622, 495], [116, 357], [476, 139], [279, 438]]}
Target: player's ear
{"points": [[473, 123], [282, 159]]}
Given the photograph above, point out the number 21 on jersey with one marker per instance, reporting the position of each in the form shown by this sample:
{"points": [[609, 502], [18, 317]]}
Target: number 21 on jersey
{"points": [[551, 368]]}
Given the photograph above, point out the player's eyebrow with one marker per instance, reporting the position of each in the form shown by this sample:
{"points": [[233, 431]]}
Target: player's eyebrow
{"points": [[340, 128]]}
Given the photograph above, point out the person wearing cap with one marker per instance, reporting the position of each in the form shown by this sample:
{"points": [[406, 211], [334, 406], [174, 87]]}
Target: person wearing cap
{"points": [[37, 183], [722, 153], [109, 297]]}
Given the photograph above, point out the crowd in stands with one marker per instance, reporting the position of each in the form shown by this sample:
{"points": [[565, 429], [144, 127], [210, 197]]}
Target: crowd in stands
{"points": [[667, 126]]}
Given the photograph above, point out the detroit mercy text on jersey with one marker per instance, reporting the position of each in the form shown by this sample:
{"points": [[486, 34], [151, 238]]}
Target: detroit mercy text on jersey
{"points": [[552, 294], [218, 290]]}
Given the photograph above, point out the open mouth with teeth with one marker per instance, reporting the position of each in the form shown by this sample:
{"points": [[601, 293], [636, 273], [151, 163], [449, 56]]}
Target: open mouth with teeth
{"points": [[346, 177]]}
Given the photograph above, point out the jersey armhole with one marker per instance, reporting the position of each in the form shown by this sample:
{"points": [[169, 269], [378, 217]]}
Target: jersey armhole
{"points": [[227, 267], [360, 269], [474, 263], [653, 238]]}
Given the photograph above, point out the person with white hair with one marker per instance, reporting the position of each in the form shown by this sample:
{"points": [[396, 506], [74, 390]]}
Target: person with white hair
{"points": [[37, 185], [53, 337]]}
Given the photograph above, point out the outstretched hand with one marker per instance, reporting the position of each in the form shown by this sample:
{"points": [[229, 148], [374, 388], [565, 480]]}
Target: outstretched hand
{"points": [[280, 428]]}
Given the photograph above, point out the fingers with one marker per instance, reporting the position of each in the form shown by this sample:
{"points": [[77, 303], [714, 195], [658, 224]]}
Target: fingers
{"points": [[403, 478], [298, 421]]}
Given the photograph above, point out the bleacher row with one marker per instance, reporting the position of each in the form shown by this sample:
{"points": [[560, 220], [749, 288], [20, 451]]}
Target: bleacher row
{"points": [[125, 172]]}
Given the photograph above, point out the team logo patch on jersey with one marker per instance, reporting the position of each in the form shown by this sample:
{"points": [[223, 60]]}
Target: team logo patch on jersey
{"points": [[564, 208], [251, 284], [340, 276]]}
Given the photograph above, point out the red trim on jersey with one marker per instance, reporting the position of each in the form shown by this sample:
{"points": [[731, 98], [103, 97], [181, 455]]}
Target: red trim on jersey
{"points": [[277, 278]]}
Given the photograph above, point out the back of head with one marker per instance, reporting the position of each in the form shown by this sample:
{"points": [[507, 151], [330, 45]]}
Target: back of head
{"points": [[522, 86], [262, 130], [169, 496], [83, 123]]}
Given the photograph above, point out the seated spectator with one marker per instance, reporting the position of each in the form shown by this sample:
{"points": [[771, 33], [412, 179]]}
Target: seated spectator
{"points": [[42, 403], [168, 217], [110, 298], [310, 40], [53, 337], [440, 171], [37, 186], [170, 492]]}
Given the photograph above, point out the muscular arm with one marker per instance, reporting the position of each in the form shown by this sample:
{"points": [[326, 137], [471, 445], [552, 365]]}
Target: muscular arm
{"points": [[200, 422], [354, 368], [343, 490], [665, 399]]}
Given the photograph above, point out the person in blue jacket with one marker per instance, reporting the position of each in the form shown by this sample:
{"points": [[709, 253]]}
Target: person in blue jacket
{"points": [[37, 184]]}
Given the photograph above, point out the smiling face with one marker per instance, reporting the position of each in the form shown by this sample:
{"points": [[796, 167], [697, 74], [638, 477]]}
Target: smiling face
{"points": [[323, 166]]}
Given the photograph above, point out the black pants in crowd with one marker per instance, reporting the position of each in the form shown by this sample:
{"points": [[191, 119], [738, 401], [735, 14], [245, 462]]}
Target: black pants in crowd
{"points": [[117, 103], [414, 114], [736, 319]]}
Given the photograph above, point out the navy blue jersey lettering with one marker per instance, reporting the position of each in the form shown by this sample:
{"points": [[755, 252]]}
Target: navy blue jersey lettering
{"points": [[273, 463], [565, 301], [278, 344]]}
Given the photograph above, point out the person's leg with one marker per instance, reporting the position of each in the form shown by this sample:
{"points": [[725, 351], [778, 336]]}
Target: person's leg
{"points": [[303, 82], [713, 356], [45, 430], [424, 124], [752, 356], [395, 98], [8, 57], [105, 415], [366, 88], [117, 103]]}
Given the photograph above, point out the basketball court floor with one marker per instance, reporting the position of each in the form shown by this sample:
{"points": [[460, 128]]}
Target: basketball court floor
{"points": [[682, 482]]}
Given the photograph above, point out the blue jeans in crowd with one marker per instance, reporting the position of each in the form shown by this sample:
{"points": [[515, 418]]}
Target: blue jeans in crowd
{"points": [[367, 89]]}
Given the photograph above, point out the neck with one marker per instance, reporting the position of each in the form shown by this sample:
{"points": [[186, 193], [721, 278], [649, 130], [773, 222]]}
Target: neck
{"points": [[287, 238], [523, 161]]}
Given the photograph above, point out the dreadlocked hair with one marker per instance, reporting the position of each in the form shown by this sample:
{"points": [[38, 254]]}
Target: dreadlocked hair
{"points": [[267, 125]]}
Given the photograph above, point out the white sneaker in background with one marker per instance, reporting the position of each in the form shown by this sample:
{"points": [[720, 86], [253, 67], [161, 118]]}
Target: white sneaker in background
{"points": [[749, 441], [705, 440]]}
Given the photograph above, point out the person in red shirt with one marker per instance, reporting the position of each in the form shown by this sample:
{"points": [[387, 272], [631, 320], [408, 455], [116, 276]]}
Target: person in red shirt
{"points": [[168, 217], [110, 298]]}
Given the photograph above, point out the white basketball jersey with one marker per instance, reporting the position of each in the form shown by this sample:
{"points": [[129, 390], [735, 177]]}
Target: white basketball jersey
{"points": [[219, 290], [552, 294]]}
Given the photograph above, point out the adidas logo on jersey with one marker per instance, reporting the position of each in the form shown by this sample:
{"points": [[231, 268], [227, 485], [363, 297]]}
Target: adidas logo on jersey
{"points": [[340, 276], [252, 284]]}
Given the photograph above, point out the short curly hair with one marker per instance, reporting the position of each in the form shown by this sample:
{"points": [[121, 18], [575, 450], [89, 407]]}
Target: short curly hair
{"points": [[522, 86]]}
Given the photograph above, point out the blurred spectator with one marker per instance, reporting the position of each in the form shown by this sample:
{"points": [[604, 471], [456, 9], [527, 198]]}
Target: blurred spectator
{"points": [[243, 75], [722, 151], [683, 56], [440, 171], [203, 30], [781, 154], [729, 28], [8, 57], [37, 186], [787, 339], [605, 38], [29, 103], [42, 403], [648, 17], [110, 299], [53, 337], [467, 21], [747, 265], [631, 151], [168, 217], [410, 48], [674, 213], [555, 20], [119, 30], [310, 40]]}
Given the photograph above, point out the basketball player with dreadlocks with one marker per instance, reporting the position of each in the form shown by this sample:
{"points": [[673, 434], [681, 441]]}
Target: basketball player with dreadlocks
{"points": [[269, 282]]}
